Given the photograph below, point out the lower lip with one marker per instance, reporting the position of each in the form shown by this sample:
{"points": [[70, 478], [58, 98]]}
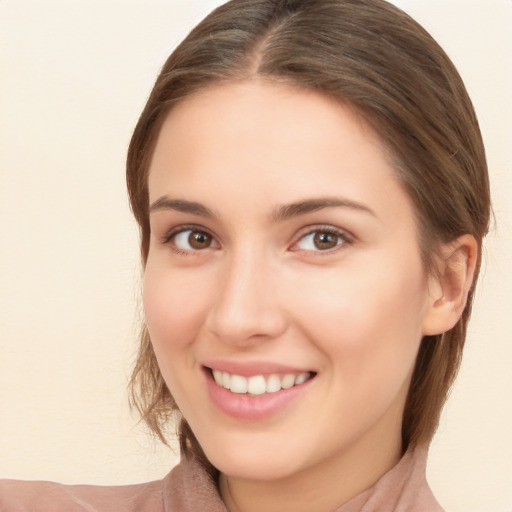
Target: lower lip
{"points": [[246, 407]]}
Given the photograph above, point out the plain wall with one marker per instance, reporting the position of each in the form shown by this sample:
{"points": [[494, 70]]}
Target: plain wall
{"points": [[74, 75]]}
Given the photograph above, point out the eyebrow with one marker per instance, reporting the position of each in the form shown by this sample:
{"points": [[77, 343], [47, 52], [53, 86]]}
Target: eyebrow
{"points": [[282, 213], [181, 205], [312, 205]]}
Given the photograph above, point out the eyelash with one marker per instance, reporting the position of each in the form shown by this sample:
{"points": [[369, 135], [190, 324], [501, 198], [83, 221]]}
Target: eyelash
{"points": [[342, 235], [343, 239], [169, 237]]}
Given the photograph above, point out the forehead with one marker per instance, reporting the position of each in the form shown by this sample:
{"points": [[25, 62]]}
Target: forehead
{"points": [[273, 142]]}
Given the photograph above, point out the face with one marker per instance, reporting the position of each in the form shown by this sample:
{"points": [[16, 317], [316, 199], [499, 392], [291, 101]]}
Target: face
{"points": [[284, 291]]}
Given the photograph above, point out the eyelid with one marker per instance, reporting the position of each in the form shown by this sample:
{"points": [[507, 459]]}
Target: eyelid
{"points": [[171, 233], [347, 237]]}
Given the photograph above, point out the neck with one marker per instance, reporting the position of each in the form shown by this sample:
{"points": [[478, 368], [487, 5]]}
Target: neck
{"points": [[318, 488]]}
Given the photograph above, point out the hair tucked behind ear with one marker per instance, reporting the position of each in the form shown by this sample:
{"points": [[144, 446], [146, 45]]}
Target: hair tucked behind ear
{"points": [[372, 56]]}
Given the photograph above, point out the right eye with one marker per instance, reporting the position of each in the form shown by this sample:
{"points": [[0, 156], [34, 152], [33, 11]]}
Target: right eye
{"points": [[191, 240]]}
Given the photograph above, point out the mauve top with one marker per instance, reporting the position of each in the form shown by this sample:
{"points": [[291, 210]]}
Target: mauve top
{"points": [[188, 488]]}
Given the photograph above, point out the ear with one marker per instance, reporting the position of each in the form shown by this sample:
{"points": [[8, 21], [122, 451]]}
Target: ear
{"points": [[449, 288]]}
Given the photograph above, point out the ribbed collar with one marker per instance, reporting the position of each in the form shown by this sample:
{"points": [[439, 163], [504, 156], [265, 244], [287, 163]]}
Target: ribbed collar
{"points": [[188, 488]]}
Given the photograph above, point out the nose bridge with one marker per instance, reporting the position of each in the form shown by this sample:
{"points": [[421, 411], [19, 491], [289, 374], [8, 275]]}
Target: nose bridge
{"points": [[246, 306]]}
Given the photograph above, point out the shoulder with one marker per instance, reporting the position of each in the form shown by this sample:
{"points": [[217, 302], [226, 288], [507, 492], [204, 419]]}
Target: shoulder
{"points": [[188, 487], [28, 496]]}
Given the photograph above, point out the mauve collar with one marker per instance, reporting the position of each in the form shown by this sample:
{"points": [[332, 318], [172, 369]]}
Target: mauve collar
{"points": [[402, 489], [189, 488]]}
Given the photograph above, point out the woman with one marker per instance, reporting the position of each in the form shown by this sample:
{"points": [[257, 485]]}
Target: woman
{"points": [[312, 193]]}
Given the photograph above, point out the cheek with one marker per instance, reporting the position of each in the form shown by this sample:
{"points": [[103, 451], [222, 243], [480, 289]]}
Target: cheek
{"points": [[370, 335], [174, 307], [365, 319]]}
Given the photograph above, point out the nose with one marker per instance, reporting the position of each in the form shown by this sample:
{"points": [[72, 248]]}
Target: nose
{"points": [[246, 308]]}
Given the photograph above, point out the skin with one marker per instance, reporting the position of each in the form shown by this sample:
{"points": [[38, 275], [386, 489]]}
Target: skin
{"points": [[257, 288]]}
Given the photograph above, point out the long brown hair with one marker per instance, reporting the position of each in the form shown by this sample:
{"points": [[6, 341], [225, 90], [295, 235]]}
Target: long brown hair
{"points": [[372, 56]]}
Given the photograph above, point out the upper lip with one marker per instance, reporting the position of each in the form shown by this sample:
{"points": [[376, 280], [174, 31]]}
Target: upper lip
{"points": [[251, 368]]}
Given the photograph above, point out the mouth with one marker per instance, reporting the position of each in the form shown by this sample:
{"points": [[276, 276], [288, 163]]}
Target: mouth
{"points": [[257, 385], [256, 391]]}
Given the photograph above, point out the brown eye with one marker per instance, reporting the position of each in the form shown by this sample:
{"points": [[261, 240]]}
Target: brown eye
{"points": [[324, 240], [199, 240], [321, 240], [192, 240]]}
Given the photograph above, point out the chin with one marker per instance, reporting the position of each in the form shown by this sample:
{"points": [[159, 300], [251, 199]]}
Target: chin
{"points": [[249, 460], [257, 468]]}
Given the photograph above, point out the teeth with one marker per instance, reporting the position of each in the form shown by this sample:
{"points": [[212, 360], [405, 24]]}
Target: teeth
{"points": [[273, 384], [288, 381], [258, 384], [217, 377], [302, 377], [238, 384]]}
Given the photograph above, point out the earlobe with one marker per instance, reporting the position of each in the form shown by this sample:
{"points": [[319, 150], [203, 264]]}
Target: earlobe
{"points": [[449, 288]]}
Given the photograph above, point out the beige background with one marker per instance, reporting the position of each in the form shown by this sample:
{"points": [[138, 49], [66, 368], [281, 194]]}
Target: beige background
{"points": [[74, 76]]}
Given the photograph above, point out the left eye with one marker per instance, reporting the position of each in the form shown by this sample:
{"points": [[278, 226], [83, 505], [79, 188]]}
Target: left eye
{"points": [[320, 240]]}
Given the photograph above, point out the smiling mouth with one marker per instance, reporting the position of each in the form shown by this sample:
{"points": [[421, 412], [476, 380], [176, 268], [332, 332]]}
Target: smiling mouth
{"points": [[259, 384]]}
